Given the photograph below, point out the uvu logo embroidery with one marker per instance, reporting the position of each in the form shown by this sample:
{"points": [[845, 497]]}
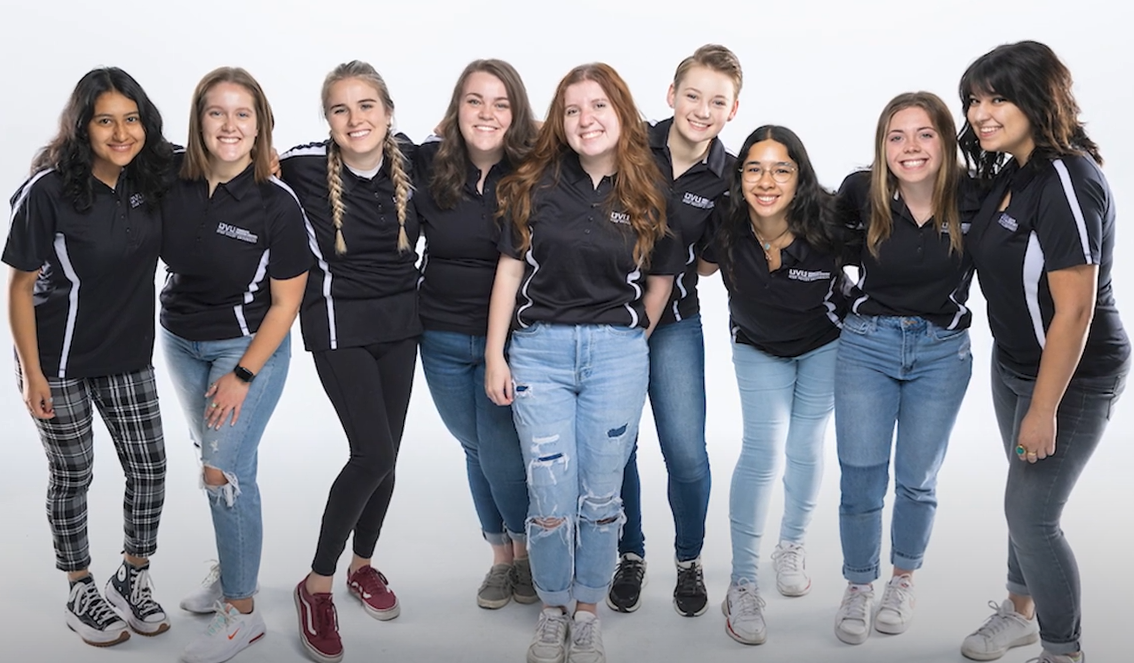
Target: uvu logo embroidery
{"points": [[619, 217], [236, 233], [804, 275], [1008, 222], [137, 200], [697, 201]]}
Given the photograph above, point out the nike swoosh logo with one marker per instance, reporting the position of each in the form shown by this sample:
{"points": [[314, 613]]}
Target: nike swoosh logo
{"points": [[233, 634]]}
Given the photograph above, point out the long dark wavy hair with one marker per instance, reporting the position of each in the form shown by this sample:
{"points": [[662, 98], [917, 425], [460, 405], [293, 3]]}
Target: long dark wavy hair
{"points": [[450, 165], [1031, 76], [69, 152], [810, 214]]}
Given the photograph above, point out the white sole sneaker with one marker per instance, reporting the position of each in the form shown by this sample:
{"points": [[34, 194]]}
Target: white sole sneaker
{"points": [[122, 607], [95, 637]]}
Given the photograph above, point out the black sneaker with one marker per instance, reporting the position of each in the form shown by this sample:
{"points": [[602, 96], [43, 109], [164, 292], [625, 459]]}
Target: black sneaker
{"points": [[131, 594], [625, 593], [89, 615], [689, 596]]}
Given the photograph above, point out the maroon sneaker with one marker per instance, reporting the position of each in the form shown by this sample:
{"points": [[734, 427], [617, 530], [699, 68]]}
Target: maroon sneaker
{"points": [[318, 624], [372, 588]]}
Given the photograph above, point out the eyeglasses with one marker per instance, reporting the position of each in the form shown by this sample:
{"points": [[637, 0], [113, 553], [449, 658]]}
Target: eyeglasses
{"points": [[780, 172]]}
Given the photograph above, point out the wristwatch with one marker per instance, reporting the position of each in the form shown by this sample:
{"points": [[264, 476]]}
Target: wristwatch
{"points": [[243, 374]]}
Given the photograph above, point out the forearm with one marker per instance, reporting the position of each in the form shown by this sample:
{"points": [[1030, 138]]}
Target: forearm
{"points": [[276, 324], [1066, 338], [509, 272], [658, 289]]}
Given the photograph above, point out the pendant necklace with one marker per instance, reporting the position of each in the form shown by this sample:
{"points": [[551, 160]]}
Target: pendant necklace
{"points": [[766, 246]]}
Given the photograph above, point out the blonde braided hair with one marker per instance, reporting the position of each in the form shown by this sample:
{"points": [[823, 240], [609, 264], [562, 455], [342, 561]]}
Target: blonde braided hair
{"points": [[402, 185], [335, 194]]}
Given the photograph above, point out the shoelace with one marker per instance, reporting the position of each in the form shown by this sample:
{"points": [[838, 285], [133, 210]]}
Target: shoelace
{"points": [[584, 634], [629, 570], [549, 629], [748, 600], [854, 606], [788, 560], [88, 600], [221, 619], [996, 622], [142, 593], [500, 580], [371, 580], [522, 574], [689, 580], [214, 574], [326, 617], [894, 597]]}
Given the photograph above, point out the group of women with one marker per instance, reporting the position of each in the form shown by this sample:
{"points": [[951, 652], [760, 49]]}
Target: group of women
{"points": [[557, 291]]}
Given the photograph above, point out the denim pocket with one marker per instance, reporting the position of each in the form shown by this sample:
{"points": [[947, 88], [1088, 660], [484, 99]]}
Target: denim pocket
{"points": [[625, 331], [858, 324], [529, 330]]}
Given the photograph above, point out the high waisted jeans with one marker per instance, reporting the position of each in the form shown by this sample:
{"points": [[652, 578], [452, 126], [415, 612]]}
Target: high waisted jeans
{"points": [[1040, 561], [579, 393], [894, 370]]}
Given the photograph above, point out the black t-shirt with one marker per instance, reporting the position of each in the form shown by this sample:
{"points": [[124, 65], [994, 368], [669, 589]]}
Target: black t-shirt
{"points": [[915, 274], [368, 294], [94, 297], [785, 313], [459, 264], [221, 250], [580, 269], [692, 198], [1061, 214]]}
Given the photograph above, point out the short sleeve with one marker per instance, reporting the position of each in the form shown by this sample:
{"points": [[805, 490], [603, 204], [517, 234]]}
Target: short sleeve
{"points": [[289, 253], [709, 248], [32, 230], [1069, 219], [508, 242]]}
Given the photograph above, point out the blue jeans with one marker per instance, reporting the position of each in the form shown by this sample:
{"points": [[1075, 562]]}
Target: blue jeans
{"points": [[579, 393], [786, 404], [894, 370], [237, 522], [454, 369], [677, 399], [1040, 561]]}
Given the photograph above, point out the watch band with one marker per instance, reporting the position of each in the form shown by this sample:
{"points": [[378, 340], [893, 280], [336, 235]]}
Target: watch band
{"points": [[243, 374]]}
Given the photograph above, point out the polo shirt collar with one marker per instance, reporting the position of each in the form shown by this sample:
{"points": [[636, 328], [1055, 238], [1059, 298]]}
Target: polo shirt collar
{"points": [[715, 160], [239, 186]]}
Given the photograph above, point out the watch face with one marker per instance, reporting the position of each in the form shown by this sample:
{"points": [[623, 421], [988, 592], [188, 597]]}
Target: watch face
{"points": [[243, 373]]}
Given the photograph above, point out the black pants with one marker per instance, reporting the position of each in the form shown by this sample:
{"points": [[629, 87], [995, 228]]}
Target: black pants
{"points": [[370, 390]]}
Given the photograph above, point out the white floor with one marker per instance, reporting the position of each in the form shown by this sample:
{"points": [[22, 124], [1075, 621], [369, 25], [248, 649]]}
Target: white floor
{"points": [[432, 553]]}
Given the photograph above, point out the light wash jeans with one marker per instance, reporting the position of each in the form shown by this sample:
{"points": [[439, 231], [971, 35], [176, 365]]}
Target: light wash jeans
{"points": [[454, 369], [579, 393], [677, 399], [909, 372], [786, 404], [1040, 561], [237, 522]]}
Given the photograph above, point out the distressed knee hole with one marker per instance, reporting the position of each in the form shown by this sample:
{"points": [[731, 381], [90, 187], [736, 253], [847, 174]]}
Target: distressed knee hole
{"points": [[548, 523], [220, 485], [617, 432], [522, 390]]}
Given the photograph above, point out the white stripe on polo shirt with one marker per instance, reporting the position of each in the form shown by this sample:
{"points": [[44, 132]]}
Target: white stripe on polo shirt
{"points": [[312, 244], [250, 293], [24, 192], [1033, 272], [530, 257], [630, 280], [72, 301], [1076, 209]]}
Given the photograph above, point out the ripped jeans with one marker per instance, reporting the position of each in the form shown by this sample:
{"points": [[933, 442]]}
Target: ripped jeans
{"points": [[579, 393], [237, 522]]}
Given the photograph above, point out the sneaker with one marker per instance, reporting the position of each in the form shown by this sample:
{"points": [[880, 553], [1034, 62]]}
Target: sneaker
{"points": [[131, 593], [89, 615], [318, 624], [1049, 657], [743, 609], [203, 600], [1003, 630], [586, 639], [229, 633], [523, 588], [852, 621], [371, 587], [496, 590], [790, 561], [690, 598], [895, 612], [549, 644], [625, 593]]}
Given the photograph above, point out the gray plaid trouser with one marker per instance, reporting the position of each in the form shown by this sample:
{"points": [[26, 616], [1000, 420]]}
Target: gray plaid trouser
{"points": [[128, 404]]}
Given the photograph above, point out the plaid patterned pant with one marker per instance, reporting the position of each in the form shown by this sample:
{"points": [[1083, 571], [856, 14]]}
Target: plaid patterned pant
{"points": [[128, 404]]}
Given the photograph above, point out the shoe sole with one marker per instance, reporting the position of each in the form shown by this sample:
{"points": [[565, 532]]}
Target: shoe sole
{"points": [[526, 600], [733, 634], [891, 629], [381, 615], [122, 607], [315, 653], [1029, 639], [488, 604], [696, 613], [122, 636], [852, 638], [630, 608], [793, 593]]}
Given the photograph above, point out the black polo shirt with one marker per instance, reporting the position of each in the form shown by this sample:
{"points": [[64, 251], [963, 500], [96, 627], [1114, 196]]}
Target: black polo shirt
{"points": [[787, 312], [914, 274], [368, 294], [580, 269], [1061, 214], [459, 263], [692, 198], [221, 250], [94, 296]]}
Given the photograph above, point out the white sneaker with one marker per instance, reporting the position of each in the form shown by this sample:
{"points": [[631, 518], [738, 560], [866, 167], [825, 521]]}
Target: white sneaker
{"points": [[1003, 630], [204, 599], [228, 634], [896, 610], [852, 622], [790, 561], [586, 639], [744, 614], [549, 644]]}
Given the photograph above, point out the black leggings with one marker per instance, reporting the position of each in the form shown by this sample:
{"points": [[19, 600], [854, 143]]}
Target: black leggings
{"points": [[370, 389]]}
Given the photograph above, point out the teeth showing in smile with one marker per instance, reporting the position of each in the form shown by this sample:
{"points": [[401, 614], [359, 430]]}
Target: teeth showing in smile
{"points": [[228, 140], [766, 200], [486, 129], [590, 134], [359, 134], [700, 126], [914, 163], [985, 131]]}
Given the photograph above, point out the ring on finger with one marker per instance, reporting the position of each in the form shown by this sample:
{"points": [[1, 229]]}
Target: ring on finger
{"points": [[214, 405]]}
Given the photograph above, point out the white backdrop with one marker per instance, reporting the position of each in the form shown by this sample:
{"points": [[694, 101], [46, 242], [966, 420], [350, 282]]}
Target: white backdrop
{"points": [[825, 69]]}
